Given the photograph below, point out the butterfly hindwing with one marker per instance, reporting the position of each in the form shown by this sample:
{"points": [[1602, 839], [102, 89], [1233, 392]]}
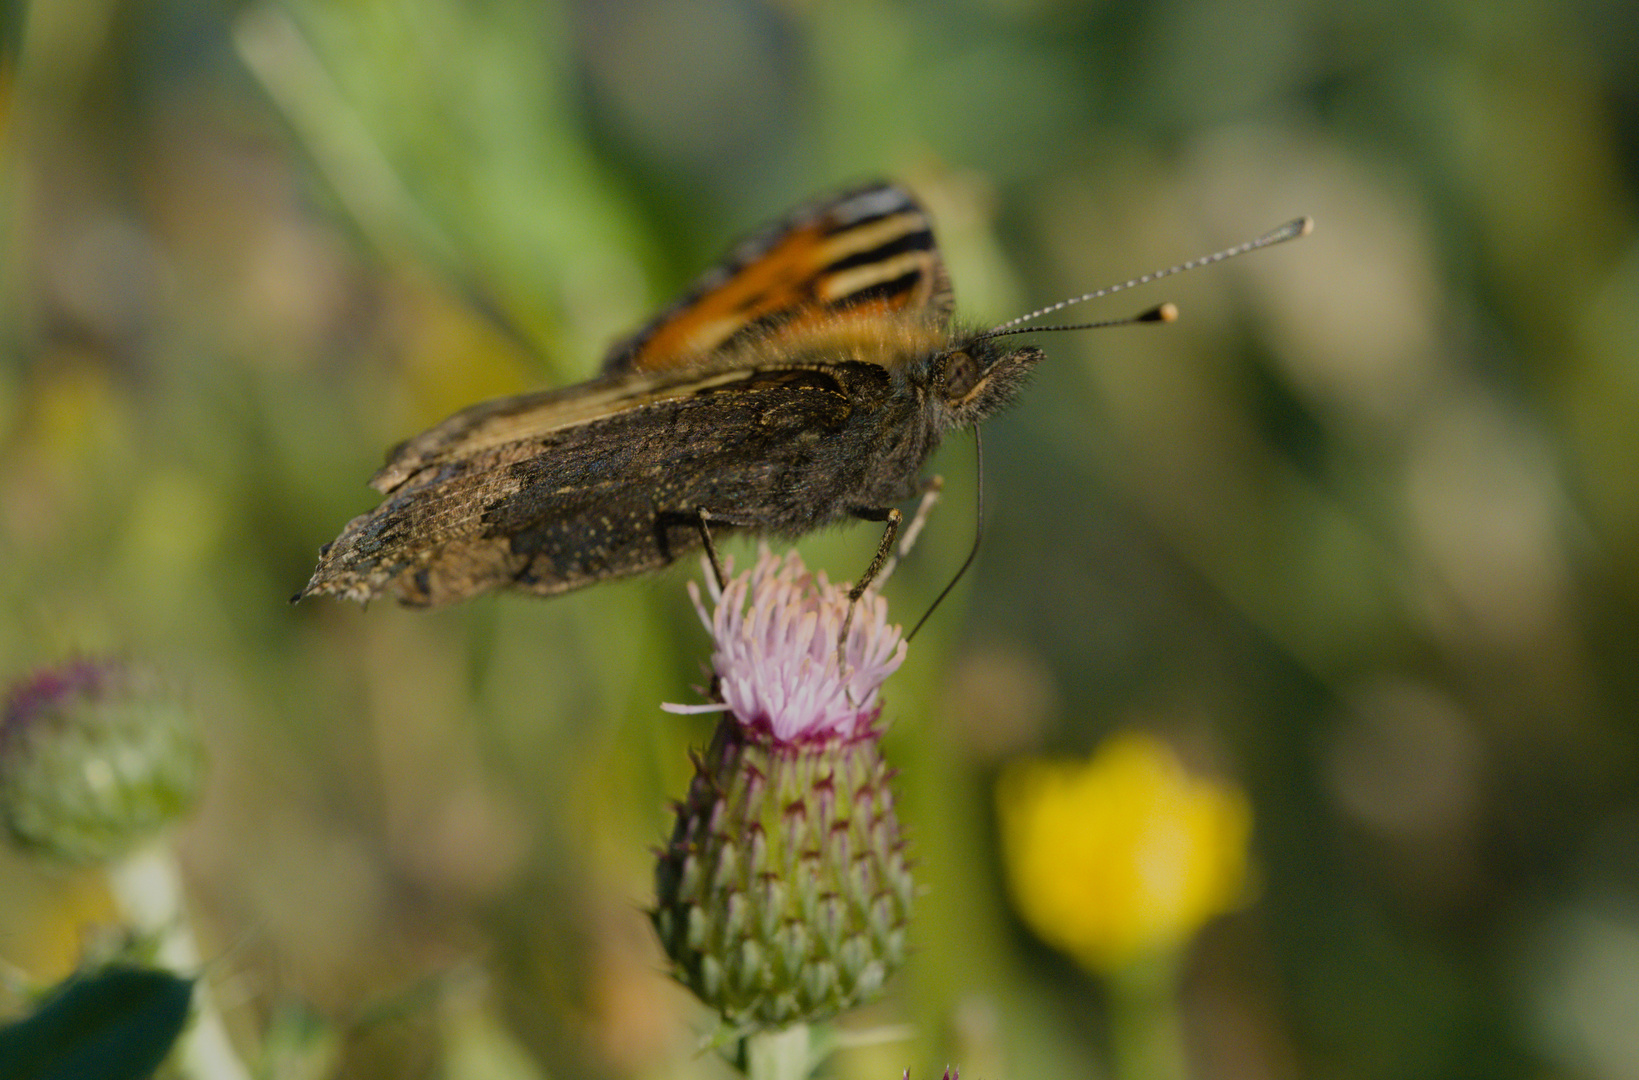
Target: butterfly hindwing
{"points": [[538, 494], [869, 252]]}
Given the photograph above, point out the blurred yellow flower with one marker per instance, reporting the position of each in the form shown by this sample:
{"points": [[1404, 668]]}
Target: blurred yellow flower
{"points": [[1122, 856]]}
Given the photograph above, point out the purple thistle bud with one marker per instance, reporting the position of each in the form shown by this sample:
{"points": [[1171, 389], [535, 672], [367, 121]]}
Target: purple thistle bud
{"points": [[94, 758]]}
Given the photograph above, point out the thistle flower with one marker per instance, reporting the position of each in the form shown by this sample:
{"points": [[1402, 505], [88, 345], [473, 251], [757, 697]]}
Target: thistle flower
{"points": [[784, 892], [95, 758], [776, 663]]}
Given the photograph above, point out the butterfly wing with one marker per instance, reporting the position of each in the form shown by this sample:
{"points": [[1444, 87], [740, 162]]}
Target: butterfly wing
{"points": [[866, 253], [553, 491]]}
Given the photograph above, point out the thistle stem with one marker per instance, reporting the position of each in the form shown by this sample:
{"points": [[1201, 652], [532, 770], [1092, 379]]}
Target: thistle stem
{"points": [[779, 1055], [147, 886]]}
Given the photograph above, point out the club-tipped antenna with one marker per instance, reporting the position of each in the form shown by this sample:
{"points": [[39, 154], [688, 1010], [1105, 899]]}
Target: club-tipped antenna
{"points": [[1159, 313], [1290, 231]]}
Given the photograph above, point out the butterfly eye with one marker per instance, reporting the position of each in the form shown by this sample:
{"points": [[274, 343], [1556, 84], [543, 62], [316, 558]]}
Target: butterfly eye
{"points": [[961, 374]]}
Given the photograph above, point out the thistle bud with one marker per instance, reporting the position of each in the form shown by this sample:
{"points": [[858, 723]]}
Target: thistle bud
{"points": [[784, 893], [94, 758]]}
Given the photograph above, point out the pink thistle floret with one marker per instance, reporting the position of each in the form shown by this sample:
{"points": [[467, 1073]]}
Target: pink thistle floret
{"points": [[776, 659]]}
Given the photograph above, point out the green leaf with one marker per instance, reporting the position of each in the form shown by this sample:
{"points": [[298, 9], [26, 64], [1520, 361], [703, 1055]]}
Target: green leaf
{"points": [[115, 1024]]}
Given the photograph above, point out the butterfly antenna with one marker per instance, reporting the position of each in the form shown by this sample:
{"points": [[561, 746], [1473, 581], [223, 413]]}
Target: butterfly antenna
{"points": [[1290, 231], [1158, 313], [978, 532]]}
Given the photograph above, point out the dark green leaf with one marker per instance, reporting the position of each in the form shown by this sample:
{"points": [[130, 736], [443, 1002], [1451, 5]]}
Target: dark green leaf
{"points": [[114, 1024]]}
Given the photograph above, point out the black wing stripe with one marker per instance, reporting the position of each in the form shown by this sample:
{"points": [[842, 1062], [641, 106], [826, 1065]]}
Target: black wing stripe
{"points": [[920, 240]]}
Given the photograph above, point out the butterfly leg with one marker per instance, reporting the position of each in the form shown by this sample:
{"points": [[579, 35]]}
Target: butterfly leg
{"points": [[703, 519], [892, 515]]}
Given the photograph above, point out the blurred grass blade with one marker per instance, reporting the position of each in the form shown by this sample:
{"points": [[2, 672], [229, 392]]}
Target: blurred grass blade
{"points": [[358, 168], [342, 145]]}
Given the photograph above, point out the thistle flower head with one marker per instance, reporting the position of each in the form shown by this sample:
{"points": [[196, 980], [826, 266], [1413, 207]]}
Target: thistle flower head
{"points": [[784, 892], [776, 657]]}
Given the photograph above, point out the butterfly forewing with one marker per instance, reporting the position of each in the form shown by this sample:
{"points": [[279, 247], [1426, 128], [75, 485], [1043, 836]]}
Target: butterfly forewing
{"points": [[868, 253]]}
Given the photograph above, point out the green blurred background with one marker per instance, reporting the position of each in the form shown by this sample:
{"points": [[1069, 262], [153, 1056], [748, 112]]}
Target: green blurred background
{"points": [[1360, 532]]}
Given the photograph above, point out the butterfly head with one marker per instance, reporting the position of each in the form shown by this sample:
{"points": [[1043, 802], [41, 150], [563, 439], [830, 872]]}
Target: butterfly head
{"points": [[978, 377]]}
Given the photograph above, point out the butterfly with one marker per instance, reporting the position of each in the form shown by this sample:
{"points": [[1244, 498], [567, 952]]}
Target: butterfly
{"points": [[802, 382]]}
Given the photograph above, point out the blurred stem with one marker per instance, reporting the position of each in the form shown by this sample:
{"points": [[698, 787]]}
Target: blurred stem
{"points": [[148, 889], [1146, 1030], [778, 1055]]}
